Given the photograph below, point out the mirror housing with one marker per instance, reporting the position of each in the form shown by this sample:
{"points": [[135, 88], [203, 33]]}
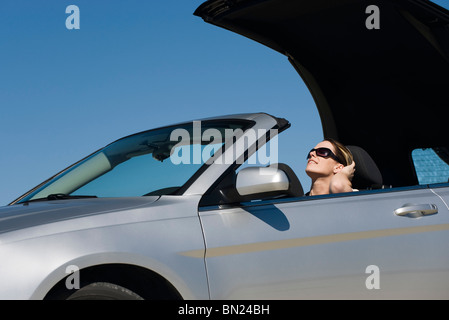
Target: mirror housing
{"points": [[261, 182], [254, 183]]}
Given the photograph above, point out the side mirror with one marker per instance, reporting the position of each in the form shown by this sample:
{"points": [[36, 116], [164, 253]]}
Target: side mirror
{"points": [[260, 182], [255, 183]]}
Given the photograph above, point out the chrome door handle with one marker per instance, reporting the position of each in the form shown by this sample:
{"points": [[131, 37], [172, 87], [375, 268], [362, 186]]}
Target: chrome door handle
{"points": [[416, 210]]}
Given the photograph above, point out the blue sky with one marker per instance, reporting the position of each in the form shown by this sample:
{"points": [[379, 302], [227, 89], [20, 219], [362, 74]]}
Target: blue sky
{"points": [[133, 65]]}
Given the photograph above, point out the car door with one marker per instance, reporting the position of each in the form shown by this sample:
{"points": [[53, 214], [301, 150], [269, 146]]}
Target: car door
{"points": [[348, 246]]}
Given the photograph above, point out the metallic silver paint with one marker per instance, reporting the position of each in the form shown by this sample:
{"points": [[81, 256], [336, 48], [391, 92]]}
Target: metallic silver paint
{"points": [[308, 247], [253, 180]]}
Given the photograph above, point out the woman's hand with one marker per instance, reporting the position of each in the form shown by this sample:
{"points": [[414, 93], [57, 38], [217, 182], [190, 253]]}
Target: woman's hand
{"points": [[349, 171], [341, 181]]}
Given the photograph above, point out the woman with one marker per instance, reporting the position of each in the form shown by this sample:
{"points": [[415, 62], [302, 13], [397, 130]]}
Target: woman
{"points": [[331, 167]]}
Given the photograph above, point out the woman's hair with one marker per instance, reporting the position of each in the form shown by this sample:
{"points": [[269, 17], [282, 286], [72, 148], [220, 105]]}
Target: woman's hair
{"points": [[341, 152]]}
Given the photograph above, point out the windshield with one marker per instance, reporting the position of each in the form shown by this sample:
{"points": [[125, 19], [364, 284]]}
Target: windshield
{"points": [[154, 162]]}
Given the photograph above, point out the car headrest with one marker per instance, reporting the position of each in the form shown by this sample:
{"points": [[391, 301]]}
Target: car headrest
{"points": [[367, 175]]}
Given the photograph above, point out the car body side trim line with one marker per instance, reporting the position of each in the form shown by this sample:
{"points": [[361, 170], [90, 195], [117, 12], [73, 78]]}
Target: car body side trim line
{"points": [[309, 241]]}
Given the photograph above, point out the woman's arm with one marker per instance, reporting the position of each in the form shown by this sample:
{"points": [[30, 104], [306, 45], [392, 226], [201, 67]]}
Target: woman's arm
{"points": [[341, 181]]}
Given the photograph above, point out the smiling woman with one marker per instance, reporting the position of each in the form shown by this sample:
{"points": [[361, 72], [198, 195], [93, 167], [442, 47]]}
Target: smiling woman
{"points": [[331, 167]]}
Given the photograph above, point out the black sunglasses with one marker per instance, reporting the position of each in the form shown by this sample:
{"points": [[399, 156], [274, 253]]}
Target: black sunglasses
{"points": [[324, 153]]}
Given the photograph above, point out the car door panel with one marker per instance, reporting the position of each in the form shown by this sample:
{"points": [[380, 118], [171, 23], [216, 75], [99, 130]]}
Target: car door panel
{"points": [[324, 247], [443, 192]]}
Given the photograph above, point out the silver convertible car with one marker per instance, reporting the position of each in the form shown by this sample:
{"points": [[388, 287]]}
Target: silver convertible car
{"points": [[198, 210]]}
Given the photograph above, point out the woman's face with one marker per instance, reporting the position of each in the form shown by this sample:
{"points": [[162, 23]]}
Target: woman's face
{"points": [[319, 166]]}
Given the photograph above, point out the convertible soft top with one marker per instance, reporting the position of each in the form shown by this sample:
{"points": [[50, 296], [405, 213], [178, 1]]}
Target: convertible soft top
{"points": [[381, 88]]}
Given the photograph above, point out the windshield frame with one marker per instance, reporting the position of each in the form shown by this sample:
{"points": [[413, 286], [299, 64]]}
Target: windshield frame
{"points": [[245, 124]]}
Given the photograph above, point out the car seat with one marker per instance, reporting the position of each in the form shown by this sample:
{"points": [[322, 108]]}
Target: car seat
{"points": [[367, 175]]}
